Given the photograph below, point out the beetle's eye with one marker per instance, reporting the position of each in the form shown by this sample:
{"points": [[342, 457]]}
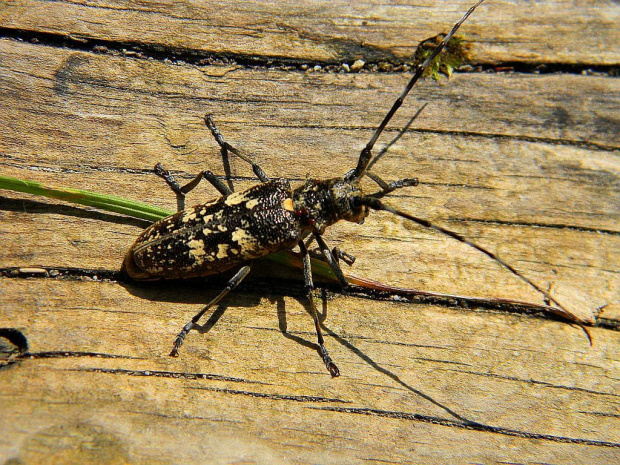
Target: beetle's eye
{"points": [[356, 202]]}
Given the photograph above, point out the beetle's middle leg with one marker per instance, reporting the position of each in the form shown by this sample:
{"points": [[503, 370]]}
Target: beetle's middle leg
{"points": [[331, 366], [232, 283], [332, 259], [226, 147], [180, 191]]}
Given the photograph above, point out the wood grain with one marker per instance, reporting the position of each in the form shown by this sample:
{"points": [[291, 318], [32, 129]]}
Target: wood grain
{"points": [[559, 31], [525, 164]]}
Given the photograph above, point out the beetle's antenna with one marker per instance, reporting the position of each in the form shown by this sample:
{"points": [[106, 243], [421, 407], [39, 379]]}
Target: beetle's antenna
{"points": [[396, 138], [365, 155], [376, 204]]}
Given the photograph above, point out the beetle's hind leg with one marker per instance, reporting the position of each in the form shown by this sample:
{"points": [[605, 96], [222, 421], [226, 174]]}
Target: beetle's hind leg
{"points": [[331, 366], [180, 191], [226, 147], [232, 283]]}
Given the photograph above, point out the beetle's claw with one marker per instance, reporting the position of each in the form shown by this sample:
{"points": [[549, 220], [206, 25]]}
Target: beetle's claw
{"points": [[331, 366], [333, 369]]}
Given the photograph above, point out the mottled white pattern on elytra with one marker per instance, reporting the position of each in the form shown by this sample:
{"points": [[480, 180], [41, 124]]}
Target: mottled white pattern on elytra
{"points": [[251, 204], [235, 199], [188, 217], [246, 241], [222, 250], [240, 235], [197, 250]]}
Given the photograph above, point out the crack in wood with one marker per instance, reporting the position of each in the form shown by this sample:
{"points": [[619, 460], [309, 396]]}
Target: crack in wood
{"points": [[468, 425], [345, 49], [274, 396], [167, 374], [295, 289]]}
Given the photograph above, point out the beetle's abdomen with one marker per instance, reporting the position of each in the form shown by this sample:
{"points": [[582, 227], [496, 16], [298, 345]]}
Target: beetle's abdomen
{"points": [[213, 237]]}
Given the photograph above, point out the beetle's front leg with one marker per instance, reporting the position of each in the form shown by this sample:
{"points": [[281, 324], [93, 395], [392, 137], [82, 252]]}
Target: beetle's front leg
{"points": [[386, 188], [232, 283], [331, 366]]}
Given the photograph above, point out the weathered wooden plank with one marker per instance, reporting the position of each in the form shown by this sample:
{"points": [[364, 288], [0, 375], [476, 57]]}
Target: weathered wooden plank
{"points": [[415, 375], [524, 164], [559, 31]]}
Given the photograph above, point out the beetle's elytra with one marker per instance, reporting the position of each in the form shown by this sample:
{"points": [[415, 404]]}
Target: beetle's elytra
{"points": [[216, 236], [240, 226]]}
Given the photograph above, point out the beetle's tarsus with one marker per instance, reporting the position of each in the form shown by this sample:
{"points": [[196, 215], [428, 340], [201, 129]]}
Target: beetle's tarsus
{"points": [[178, 342], [331, 366]]}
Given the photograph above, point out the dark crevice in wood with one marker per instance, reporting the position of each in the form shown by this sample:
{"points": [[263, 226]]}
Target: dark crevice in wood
{"points": [[349, 50], [140, 50], [531, 381], [609, 232], [608, 324], [491, 136], [8, 358], [82, 274], [295, 289], [13, 162], [468, 425], [273, 396], [167, 374], [523, 138], [472, 426], [71, 354]]}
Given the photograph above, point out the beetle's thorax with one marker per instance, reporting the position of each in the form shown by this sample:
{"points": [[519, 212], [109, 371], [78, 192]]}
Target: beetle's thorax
{"points": [[321, 203]]}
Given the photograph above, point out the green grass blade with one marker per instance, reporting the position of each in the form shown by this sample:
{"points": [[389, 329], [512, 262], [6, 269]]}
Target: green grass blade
{"points": [[91, 199]]}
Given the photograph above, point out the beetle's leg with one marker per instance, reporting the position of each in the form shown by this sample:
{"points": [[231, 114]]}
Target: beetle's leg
{"points": [[336, 252], [342, 255], [226, 147], [331, 366], [331, 260], [180, 191], [386, 188], [232, 283]]}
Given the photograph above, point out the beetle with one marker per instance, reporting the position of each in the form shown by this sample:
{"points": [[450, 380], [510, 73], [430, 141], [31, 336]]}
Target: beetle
{"points": [[236, 228]]}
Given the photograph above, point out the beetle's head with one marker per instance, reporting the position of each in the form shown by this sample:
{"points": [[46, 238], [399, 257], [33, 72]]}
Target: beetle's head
{"points": [[346, 198], [319, 204]]}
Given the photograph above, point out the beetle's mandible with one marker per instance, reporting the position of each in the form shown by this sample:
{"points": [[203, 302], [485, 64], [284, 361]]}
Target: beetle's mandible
{"points": [[238, 227]]}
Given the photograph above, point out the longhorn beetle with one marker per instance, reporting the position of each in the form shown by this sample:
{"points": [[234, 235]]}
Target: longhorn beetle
{"points": [[231, 231]]}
